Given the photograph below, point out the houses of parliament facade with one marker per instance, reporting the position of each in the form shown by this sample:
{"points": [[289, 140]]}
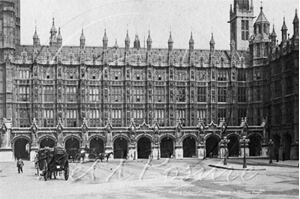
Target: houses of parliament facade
{"points": [[148, 102]]}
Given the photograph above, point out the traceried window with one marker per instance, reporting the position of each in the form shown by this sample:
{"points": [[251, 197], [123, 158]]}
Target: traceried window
{"points": [[138, 94], [201, 113], [201, 94], [94, 94], [245, 30], [242, 113], [24, 117], [23, 93], [94, 118], [71, 93], [222, 91], [48, 118], [242, 94], [160, 94], [222, 76], [181, 94], [71, 118], [116, 94], [242, 75], [221, 113], [49, 94]]}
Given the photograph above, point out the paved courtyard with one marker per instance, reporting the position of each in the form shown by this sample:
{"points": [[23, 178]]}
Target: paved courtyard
{"points": [[188, 178]]}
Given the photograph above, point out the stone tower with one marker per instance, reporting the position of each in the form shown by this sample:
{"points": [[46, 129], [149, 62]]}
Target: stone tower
{"points": [[9, 28], [241, 20]]}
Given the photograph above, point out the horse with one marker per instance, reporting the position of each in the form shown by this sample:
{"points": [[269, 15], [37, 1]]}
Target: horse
{"points": [[105, 155]]}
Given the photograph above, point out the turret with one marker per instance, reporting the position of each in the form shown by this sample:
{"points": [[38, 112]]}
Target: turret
{"points": [[127, 42], [82, 40], [105, 41], [59, 39], [191, 43], [149, 42], [170, 43], [273, 37], [53, 32], [36, 40], [284, 31]]}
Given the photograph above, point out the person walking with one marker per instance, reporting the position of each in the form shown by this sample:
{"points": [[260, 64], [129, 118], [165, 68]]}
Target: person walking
{"points": [[20, 165]]}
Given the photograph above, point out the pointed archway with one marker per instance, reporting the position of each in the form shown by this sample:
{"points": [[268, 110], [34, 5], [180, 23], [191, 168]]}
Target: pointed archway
{"points": [[97, 144], [233, 146], [212, 146], [255, 145], [72, 146], [144, 148], [166, 147], [47, 142], [120, 148], [22, 149], [189, 147]]}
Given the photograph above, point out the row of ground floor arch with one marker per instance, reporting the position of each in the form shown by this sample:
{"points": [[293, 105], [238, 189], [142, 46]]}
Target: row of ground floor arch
{"points": [[144, 146]]}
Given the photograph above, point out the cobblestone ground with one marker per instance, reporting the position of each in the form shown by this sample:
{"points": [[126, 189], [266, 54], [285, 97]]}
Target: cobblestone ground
{"points": [[188, 178]]}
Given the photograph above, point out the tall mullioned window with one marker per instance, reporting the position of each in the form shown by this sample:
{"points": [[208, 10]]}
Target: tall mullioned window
{"points": [[71, 93], [48, 94], [201, 94], [222, 94], [245, 30], [242, 94], [71, 118]]}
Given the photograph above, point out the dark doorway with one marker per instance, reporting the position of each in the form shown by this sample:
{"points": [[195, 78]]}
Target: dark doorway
{"points": [[189, 147], [97, 145], [120, 148], [233, 146], [255, 145], [144, 148], [22, 149], [276, 146], [46, 142], [287, 146], [166, 147], [72, 146], [212, 147]]}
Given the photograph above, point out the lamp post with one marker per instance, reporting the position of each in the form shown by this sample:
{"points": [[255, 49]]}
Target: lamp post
{"points": [[270, 150], [225, 141], [244, 141]]}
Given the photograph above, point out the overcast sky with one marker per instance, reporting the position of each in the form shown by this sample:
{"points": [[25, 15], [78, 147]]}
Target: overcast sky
{"points": [[201, 17]]}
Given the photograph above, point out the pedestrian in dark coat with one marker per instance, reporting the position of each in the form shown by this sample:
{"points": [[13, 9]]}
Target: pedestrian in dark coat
{"points": [[20, 165]]}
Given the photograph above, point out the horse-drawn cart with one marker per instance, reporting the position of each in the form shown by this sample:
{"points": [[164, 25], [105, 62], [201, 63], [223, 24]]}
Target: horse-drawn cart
{"points": [[51, 161]]}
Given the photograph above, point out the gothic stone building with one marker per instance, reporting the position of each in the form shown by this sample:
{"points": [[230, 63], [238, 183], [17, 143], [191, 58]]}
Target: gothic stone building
{"points": [[143, 102]]}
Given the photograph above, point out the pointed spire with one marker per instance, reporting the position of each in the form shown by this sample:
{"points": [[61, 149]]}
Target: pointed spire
{"points": [[191, 39], [212, 41], [283, 25], [53, 29], [296, 20], [273, 34], [105, 37], [82, 37], [170, 38], [127, 38], [35, 35]]}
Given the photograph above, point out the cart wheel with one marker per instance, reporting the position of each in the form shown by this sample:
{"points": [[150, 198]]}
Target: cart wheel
{"points": [[45, 170], [66, 171]]}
